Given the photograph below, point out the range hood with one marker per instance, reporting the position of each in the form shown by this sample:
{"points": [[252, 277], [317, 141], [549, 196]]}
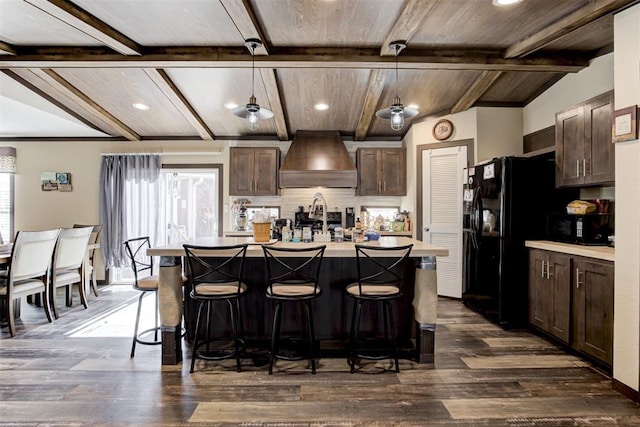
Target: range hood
{"points": [[318, 159]]}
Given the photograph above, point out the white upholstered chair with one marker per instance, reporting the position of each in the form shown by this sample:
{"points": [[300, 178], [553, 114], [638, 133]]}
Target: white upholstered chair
{"points": [[29, 271], [69, 263], [94, 243]]}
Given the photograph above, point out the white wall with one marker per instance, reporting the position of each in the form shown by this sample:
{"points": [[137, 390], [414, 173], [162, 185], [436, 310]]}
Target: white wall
{"points": [[626, 336], [499, 133], [572, 89]]}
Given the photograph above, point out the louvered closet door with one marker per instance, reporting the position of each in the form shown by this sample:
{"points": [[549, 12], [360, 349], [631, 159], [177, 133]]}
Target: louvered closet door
{"points": [[442, 179]]}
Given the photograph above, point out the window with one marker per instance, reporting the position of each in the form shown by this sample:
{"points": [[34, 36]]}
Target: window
{"points": [[6, 207]]}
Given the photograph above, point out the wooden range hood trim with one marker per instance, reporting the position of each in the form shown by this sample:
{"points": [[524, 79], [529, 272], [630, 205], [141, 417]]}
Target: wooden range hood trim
{"points": [[318, 159]]}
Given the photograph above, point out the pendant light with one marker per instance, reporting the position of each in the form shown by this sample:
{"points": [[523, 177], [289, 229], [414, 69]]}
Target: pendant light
{"points": [[397, 112], [252, 112]]}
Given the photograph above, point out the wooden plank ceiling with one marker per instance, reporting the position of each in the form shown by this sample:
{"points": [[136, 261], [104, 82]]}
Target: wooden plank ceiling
{"points": [[186, 59]]}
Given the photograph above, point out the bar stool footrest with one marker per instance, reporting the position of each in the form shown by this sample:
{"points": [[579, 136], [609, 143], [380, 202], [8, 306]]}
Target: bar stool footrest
{"points": [[140, 340], [221, 349]]}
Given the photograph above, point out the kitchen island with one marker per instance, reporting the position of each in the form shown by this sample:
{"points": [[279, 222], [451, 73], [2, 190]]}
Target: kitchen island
{"points": [[416, 311]]}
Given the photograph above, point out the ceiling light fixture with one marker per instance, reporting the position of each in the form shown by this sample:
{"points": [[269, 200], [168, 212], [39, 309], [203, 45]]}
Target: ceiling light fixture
{"points": [[397, 112], [252, 111], [230, 105], [321, 106], [140, 106]]}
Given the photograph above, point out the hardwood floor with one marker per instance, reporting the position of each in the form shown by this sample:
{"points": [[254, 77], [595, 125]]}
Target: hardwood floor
{"points": [[76, 371]]}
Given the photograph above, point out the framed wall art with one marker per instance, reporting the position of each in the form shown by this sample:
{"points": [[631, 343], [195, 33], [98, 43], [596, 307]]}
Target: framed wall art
{"points": [[624, 124], [56, 181]]}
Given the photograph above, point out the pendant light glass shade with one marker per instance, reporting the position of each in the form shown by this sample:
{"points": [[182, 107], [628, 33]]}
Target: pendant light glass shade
{"points": [[252, 112], [397, 112]]}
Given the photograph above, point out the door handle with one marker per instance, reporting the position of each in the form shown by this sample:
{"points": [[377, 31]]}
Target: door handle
{"points": [[426, 229], [549, 270], [584, 167], [578, 278], [577, 168], [542, 275]]}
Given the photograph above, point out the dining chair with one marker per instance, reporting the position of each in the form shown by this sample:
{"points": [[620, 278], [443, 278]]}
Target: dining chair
{"points": [[69, 264], [29, 271], [380, 280], [292, 276], [215, 274], [94, 243]]}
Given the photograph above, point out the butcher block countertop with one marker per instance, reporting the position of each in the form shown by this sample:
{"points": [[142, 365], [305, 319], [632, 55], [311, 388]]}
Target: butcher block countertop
{"points": [[604, 253]]}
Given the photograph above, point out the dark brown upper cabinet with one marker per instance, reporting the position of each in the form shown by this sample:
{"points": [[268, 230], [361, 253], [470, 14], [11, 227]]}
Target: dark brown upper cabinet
{"points": [[382, 172], [253, 171], [584, 152]]}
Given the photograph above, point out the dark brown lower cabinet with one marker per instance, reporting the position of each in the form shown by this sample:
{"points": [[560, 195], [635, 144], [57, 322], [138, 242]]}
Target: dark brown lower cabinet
{"points": [[550, 292], [571, 299], [593, 308]]}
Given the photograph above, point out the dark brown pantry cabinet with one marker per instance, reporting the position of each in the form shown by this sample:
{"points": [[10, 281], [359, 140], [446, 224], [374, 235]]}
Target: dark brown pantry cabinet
{"points": [[584, 152], [571, 299], [381, 171], [253, 171]]}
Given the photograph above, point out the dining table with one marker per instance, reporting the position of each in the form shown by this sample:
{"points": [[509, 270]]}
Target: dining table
{"points": [[417, 319]]}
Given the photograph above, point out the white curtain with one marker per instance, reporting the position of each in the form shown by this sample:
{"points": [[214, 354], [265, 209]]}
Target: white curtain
{"points": [[129, 203]]}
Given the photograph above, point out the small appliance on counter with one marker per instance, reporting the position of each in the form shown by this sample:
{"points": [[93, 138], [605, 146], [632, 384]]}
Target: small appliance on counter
{"points": [[586, 229], [279, 224], [350, 217]]}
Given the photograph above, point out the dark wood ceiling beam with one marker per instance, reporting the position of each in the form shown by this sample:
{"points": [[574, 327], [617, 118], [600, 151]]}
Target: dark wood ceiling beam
{"points": [[245, 20], [476, 90], [72, 15], [371, 101], [83, 101], [593, 10], [171, 91], [7, 49], [273, 94], [224, 57], [407, 24]]}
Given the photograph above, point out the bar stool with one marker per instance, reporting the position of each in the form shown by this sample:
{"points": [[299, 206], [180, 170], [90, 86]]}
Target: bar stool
{"points": [[292, 275], [380, 277], [215, 274], [145, 282]]}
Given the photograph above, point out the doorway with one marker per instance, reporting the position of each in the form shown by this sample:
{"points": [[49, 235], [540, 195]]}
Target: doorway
{"points": [[440, 184]]}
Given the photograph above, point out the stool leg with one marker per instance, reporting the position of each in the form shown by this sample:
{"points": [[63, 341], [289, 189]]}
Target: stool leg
{"points": [[195, 338], [275, 334], [135, 330], [312, 338], [156, 315], [393, 335], [356, 335], [234, 328]]}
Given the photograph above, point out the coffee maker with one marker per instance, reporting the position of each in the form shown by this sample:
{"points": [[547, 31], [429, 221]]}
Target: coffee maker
{"points": [[276, 232], [350, 217]]}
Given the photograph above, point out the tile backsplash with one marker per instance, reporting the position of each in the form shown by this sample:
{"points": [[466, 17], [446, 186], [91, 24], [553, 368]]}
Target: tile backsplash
{"points": [[337, 200]]}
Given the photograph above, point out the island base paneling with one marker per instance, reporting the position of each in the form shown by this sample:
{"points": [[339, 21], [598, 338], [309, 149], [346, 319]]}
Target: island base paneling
{"points": [[332, 310]]}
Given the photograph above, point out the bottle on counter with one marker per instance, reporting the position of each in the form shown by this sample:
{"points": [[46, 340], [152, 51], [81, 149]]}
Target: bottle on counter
{"points": [[358, 224]]}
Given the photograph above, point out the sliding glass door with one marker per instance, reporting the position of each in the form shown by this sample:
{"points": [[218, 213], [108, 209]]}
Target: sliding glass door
{"points": [[191, 201]]}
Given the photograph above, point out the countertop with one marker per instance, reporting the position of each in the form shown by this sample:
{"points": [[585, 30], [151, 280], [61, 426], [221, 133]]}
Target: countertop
{"points": [[337, 250], [604, 253], [249, 233]]}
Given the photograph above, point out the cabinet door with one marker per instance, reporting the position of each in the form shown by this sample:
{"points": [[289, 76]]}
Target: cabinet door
{"points": [[600, 153], [538, 289], [559, 272], [593, 308], [570, 147], [241, 171], [392, 172], [368, 171], [266, 171]]}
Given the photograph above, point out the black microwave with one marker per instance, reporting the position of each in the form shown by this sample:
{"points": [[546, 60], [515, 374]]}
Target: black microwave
{"points": [[587, 229]]}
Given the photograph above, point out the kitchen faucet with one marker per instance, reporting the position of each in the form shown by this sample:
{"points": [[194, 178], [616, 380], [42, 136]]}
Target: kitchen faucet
{"points": [[318, 197]]}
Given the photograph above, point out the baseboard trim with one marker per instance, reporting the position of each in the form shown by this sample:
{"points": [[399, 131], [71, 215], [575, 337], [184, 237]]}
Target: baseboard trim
{"points": [[625, 390]]}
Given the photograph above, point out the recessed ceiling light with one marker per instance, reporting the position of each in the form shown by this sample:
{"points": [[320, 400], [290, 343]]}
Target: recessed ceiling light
{"points": [[140, 106], [414, 106], [230, 105], [501, 3], [321, 106]]}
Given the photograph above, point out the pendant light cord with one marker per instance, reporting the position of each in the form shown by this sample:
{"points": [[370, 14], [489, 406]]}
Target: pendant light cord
{"points": [[397, 51], [253, 62]]}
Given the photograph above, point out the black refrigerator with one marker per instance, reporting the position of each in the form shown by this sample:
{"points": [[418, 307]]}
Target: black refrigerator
{"points": [[505, 202]]}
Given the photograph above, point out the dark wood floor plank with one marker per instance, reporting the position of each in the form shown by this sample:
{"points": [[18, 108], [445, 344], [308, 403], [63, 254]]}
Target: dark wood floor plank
{"points": [[77, 372]]}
